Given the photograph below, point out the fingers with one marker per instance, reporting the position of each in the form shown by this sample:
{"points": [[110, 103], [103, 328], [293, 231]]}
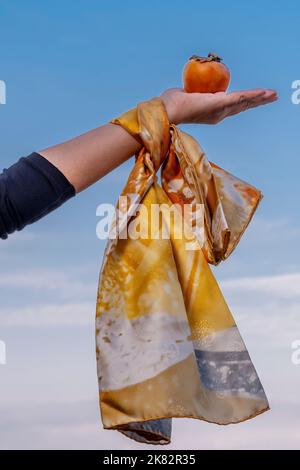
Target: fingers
{"points": [[240, 101], [211, 108]]}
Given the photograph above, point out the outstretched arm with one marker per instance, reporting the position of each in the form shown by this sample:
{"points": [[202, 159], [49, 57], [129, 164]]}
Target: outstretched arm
{"points": [[38, 184], [89, 157]]}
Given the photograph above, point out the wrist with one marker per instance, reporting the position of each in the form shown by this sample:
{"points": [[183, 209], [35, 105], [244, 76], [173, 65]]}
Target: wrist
{"points": [[171, 110]]}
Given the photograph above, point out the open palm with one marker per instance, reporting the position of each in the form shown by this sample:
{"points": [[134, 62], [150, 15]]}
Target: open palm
{"points": [[211, 108]]}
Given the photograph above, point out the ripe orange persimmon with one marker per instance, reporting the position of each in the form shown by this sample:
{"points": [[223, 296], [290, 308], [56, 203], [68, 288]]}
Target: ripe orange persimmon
{"points": [[205, 75]]}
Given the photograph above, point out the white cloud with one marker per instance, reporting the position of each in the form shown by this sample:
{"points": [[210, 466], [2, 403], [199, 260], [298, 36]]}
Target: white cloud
{"points": [[271, 301], [47, 298], [268, 319], [24, 237], [266, 308], [43, 315], [55, 425], [77, 425], [56, 280], [275, 325], [272, 229], [281, 286]]}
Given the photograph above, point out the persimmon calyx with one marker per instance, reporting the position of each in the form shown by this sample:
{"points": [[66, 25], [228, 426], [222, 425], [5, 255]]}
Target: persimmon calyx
{"points": [[210, 58]]}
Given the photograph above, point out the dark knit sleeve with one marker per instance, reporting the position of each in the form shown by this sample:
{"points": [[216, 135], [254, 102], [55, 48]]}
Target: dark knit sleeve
{"points": [[29, 190]]}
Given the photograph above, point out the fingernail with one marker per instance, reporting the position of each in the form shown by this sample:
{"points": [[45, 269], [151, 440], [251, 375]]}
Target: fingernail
{"points": [[271, 94]]}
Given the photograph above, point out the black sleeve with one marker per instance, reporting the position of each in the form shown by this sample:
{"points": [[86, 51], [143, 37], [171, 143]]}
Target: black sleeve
{"points": [[29, 190]]}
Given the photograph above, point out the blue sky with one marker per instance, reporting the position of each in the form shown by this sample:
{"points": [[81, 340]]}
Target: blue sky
{"points": [[71, 66]]}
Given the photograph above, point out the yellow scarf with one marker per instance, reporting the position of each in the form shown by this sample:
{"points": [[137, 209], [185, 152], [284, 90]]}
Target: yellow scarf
{"points": [[167, 344]]}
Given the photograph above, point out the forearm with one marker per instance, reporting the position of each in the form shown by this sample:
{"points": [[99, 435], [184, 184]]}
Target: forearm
{"points": [[88, 157], [43, 181]]}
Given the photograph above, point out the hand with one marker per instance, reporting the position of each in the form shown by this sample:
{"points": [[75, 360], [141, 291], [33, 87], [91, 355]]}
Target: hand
{"points": [[211, 108]]}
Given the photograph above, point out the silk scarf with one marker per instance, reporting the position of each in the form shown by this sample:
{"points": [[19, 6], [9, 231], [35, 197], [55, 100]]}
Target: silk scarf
{"points": [[166, 342]]}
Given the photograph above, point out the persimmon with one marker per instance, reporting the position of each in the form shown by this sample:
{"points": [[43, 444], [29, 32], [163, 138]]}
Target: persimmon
{"points": [[205, 74]]}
